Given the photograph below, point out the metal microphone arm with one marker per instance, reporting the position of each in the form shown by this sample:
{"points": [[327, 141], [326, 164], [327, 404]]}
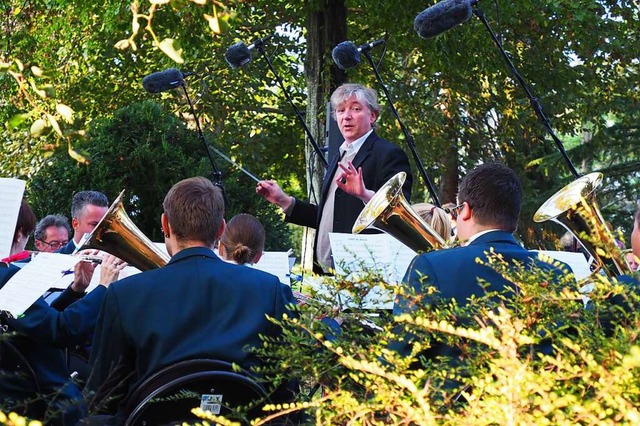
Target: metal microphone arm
{"points": [[217, 174], [259, 45], [407, 135], [534, 102]]}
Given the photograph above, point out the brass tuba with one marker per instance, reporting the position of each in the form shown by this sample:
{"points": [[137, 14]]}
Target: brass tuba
{"points": [[118, 235], [390, 212], [576, 208]]}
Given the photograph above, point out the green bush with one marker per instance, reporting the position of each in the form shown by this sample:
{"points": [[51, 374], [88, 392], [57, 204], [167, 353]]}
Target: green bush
{"points": [[144, 150], [589, 376]]}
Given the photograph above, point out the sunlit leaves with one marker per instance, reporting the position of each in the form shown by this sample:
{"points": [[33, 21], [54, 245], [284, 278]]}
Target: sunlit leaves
{"points": [[38, 127], [171, 48], [77, 156], [65, 112]]}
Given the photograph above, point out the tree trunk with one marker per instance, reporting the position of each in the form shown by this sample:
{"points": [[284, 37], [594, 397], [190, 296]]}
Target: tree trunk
{"points": [[326, 27]]}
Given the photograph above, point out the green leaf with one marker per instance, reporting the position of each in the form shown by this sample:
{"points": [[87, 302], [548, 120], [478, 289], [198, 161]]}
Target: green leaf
{"points": [[77, 156], [18, 119], [65, 112], [38, 127], [170, 47], [37, 71], [54, 124]]}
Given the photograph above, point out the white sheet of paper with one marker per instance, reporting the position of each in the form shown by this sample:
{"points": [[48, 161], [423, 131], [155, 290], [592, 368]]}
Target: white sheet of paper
{"points": [[11, 192], [45, 270], [95, 279], [576, 261], [357, 253], [275, 263]]}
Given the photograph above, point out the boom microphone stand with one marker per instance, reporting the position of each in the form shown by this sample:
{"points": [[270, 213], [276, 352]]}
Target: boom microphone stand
{"points": [[534, 102], [217, 174], [407, 135], [259, 46]]}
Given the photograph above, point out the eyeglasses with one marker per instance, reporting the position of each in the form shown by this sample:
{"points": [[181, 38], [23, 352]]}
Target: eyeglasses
{"points": [[55, 244], [454, 211]]}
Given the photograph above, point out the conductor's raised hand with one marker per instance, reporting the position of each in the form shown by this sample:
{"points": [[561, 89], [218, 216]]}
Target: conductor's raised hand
{"points": [[272, 192], [351, 181]]}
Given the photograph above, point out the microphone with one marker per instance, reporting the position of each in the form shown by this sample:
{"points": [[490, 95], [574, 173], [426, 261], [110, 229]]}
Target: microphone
{"points": [[239, 54], [347, 55], [442, 16], [164, 80]]}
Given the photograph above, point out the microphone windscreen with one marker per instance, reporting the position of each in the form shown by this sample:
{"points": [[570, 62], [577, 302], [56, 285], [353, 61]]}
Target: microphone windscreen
{"points": [[237, 55], [346, 55], [442, 16], [163, 80]]}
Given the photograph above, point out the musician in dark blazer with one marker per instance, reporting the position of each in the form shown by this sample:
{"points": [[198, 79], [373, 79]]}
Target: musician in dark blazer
{"points": [[41, 334], [197, 306], [87, 209], [370, 158], [487, 212]]}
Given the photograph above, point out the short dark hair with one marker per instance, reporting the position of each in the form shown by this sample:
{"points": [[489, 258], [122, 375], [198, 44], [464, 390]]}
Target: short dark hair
{"points": [[56, 220], [194, 208], [493, 192], [26, 221], [243, 238], [84, 198]]}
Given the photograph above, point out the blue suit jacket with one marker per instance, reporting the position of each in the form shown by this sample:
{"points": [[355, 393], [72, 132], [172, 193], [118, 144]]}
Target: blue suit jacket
{"points": [[67, 249], [455, 273], [43, 332], [197, 306]]}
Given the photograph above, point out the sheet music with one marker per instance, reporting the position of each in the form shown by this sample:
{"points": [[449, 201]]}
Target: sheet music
{"points": [[354, 254], [34, 279], [127, 271], [275, 263], [11, 192], [576, 261]]}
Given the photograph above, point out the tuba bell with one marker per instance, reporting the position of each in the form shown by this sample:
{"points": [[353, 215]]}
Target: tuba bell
{"points": [[576, 209], [390, 212], [118, 235]]}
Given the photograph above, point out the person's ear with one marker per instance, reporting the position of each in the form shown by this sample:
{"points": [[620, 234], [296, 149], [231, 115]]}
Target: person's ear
{"points": [[223, 225], [465, 212], [75, 223], [166, 228], [257, 257]]}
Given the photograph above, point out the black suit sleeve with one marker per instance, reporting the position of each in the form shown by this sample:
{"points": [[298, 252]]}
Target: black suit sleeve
{"points": [[304, 214]]}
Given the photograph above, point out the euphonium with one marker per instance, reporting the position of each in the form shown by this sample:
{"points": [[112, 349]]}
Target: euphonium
{"points": [[118, 235], [390, 212], [575, 208]]}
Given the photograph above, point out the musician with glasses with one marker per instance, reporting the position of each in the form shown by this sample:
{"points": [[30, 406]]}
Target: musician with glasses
{"points": [[41, 334], [52, 233], [487, 212], [197, 306]]}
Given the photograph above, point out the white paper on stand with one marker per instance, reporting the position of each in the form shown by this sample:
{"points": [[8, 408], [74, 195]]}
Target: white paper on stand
{"points": [[355, 254], [11, 192], [46, 270]]}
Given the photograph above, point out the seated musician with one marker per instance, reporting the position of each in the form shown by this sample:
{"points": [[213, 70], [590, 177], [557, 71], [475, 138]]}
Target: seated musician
{"points": [[488, 209], [436, 217], [243, 240], [40, 335], [197, 306]]}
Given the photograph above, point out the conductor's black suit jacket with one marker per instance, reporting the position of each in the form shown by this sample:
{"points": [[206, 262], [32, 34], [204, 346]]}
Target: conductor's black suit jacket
{"points": [[380, 161]]}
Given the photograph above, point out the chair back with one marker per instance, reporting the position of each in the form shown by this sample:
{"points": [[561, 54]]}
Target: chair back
{"points": [[168, 396]]}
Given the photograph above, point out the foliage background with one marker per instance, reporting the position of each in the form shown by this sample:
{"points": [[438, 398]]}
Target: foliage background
{"points": [[68, 65]]}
